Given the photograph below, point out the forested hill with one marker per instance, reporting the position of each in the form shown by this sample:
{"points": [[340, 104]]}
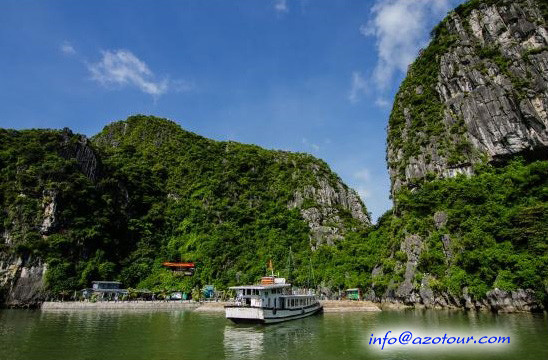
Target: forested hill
{"points": [[144, 191], [468, 160], [467, 153]]}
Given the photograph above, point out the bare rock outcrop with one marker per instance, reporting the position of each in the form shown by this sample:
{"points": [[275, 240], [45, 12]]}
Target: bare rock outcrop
{"points": [[22, 279], [486, 100], [324, 207], [78, 147]]}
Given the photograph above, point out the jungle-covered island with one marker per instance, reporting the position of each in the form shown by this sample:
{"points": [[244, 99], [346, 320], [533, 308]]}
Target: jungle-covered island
{"points": [[467, 153]]}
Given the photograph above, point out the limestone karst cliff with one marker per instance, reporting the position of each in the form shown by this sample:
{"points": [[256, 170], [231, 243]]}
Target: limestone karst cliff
{"points": [[477, 93], [473, 103]]}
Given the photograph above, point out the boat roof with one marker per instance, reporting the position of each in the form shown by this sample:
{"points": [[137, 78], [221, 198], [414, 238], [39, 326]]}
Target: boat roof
{"points": [[260, 287]]}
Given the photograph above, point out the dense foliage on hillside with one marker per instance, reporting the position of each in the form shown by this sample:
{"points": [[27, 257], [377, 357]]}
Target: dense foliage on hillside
{"points": [[159, 193], [496, 224], [163, 194]]}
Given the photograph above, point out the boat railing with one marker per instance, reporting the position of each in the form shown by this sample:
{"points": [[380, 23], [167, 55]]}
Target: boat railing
{"points": [[239, 303]]}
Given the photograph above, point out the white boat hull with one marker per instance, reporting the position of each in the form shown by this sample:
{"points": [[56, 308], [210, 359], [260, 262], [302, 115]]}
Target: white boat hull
{"points": [[248, 314]]}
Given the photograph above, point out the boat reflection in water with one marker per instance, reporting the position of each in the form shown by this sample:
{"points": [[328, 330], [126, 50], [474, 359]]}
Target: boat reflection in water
{"points": [[245, 341]]}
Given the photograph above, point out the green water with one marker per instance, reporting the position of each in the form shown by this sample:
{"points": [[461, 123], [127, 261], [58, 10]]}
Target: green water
{"points": [[189, 335]]}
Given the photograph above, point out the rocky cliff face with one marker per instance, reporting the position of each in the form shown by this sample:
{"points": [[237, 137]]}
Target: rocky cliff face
{"points": [[77, 147], [321, 206], [21, 281], [478, 92], [42, 173]]}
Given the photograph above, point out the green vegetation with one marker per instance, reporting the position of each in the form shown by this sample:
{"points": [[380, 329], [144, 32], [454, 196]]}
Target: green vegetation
{"points": [[496, 223], [164, 195], [144, 191]]}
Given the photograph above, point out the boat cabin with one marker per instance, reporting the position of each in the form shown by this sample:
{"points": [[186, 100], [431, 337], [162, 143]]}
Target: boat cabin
{"points": [[271, 301], [272, 293]]}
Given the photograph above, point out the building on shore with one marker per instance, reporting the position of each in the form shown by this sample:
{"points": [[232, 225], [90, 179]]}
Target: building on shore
{"points": [[181, 268], [354, 294], [208, 291], [105, 290]]}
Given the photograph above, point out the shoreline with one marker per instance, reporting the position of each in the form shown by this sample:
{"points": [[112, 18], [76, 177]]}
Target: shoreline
{"points": [[118, 305], [338, 306], [330, 306]]}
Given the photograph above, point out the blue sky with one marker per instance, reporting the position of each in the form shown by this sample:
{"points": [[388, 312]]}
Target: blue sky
{"points": [[302, 75]]}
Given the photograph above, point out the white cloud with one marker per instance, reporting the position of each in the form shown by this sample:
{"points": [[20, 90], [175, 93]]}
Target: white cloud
{"points": [[122, 68], [67, 48], [382, 102], [363, 193], [181, 85], [314, 147], [362, 175], [363, 183], [401, 28], [281, 6], [358, 88]]}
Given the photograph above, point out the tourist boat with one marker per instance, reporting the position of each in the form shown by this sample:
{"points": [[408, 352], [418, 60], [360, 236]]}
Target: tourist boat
{"points": [[271, 301]]}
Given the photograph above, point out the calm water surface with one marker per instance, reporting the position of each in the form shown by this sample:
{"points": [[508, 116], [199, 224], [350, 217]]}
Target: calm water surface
{"points": [[26, 334]]}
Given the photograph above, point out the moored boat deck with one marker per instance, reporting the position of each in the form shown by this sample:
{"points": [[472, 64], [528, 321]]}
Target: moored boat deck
{"points": [[271, 301]]}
